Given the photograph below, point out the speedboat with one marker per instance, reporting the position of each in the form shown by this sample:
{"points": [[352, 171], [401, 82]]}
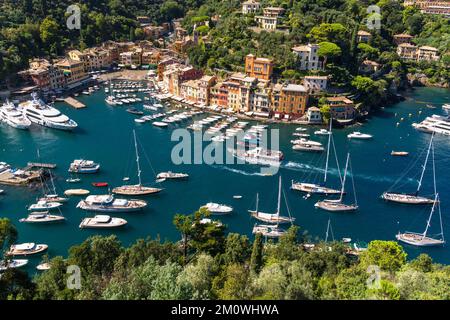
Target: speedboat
{"points": [[43, 266], [260, 155], [160, 124], [25, 249], [42, 217], [324, 132], [308, 147], [303, 141], [172, 175], [73, 180], [135, 111], [13, 116], [301, 129], [216, 208], [12, 264], [83, 166], [44, 206], [359, 135], [102, 221], [446, 107], [100, 184], [107, 203], [37, 111]]}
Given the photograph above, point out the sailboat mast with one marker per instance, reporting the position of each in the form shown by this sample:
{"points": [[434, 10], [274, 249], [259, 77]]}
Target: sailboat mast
{"points": [[137, 158], [279, 197], [431, 215], [53, 184], [345, 176], [328, 153], [326, 233], [425, 164], [257, 203]]}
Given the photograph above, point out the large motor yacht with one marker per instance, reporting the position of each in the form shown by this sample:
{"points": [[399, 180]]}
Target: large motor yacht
{"points": [[13, 116], [435, 123], [107, 203], [37, 111]]}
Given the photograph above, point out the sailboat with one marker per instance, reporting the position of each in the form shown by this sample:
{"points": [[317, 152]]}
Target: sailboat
{"points": [[271, 217], [53, 197], [413, 198], [422, 239], [138, 189], [338, 205], [320, 188]]}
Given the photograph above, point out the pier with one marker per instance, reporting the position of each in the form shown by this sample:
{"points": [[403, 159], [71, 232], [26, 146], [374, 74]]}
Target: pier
{"points": [[31, 165], [74, 103]]}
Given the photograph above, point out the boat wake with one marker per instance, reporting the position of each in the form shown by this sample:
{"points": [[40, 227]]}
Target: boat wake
{"points": [[245, 173]]}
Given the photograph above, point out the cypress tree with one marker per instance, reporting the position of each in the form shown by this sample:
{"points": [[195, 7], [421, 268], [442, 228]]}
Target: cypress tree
{"points": [[257, 254]]}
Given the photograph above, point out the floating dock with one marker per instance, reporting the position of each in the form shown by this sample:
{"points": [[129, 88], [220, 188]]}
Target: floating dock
{"points": [[74, 103], [19, 178]]}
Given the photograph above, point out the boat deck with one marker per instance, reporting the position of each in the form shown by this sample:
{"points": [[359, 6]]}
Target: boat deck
{"points": [[8, 178]]}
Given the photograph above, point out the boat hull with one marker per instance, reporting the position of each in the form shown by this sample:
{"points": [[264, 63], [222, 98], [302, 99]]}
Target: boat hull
{"points": [[419, 240], [133, 206], [313, 188], [406, 199], [335, 206], [135, 190], [271, 218], [39, 248]]}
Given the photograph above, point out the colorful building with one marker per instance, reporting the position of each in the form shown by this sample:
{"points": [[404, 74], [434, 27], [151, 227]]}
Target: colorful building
{"points": [[260, 68], [308, 57]]}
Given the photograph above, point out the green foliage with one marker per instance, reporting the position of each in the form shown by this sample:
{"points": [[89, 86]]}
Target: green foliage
{"points": [[388, 255], [256, 260], [8, 234]]}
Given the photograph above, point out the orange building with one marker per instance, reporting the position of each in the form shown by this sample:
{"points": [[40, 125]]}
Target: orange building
{"points": [[289, 100], [260, 68]]}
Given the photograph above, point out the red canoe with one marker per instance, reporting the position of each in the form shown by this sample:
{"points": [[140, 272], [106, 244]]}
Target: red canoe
{"points": [[100, 184]]}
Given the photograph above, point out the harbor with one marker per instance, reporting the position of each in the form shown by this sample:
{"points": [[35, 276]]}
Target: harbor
{"points": [[105, 135]]}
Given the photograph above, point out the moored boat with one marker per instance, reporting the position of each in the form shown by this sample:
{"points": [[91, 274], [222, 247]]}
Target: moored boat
{"points": [[399, 153], [216, 208], [107, 203], [100, 184], [44, 206], [12, 264], [269, 231], [42, 217], [44, 266], [102, 222], [26, 249], [76, 192], [83, 166]]}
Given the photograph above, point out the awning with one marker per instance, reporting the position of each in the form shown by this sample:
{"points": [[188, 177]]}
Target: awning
{"points": [[261, 114]]}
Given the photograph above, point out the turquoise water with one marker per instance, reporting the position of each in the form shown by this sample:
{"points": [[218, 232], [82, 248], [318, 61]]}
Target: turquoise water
{"points": [[105, 135]]}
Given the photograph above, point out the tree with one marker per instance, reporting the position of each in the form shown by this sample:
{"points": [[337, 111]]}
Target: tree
{"points": [[197, 277], [386, 291], [351, 283], [422, 263], [184, 226], [236, 284], [170, 10], [388, 255], [8, 234], [237, 248], [328, 50], [50, 36], [256, 260]]}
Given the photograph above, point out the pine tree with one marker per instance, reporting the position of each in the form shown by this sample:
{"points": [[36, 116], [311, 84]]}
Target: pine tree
{"points": [[257, 254]]}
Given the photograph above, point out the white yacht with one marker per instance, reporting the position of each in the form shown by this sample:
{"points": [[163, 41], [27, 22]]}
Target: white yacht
{"points": [[44, 206], [446, 107], [172, 175], [13, 116], [12, 264], [83, 166], [42, 217], [37, 111], [359, 135], [102, 221], [260, 155], [107, 203], [216, 208], [268, 230], [26, 249], [322, 132], [435, 123]]}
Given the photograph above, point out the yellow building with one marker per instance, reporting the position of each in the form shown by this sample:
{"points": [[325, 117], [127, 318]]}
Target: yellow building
{"points": [[73, 70]]}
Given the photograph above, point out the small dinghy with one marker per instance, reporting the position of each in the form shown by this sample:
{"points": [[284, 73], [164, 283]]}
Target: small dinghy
{"points": [[100, 184], [237, 197], [102, 221], [126, 179], [43, 266], [399, 153], [73, 180]]}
